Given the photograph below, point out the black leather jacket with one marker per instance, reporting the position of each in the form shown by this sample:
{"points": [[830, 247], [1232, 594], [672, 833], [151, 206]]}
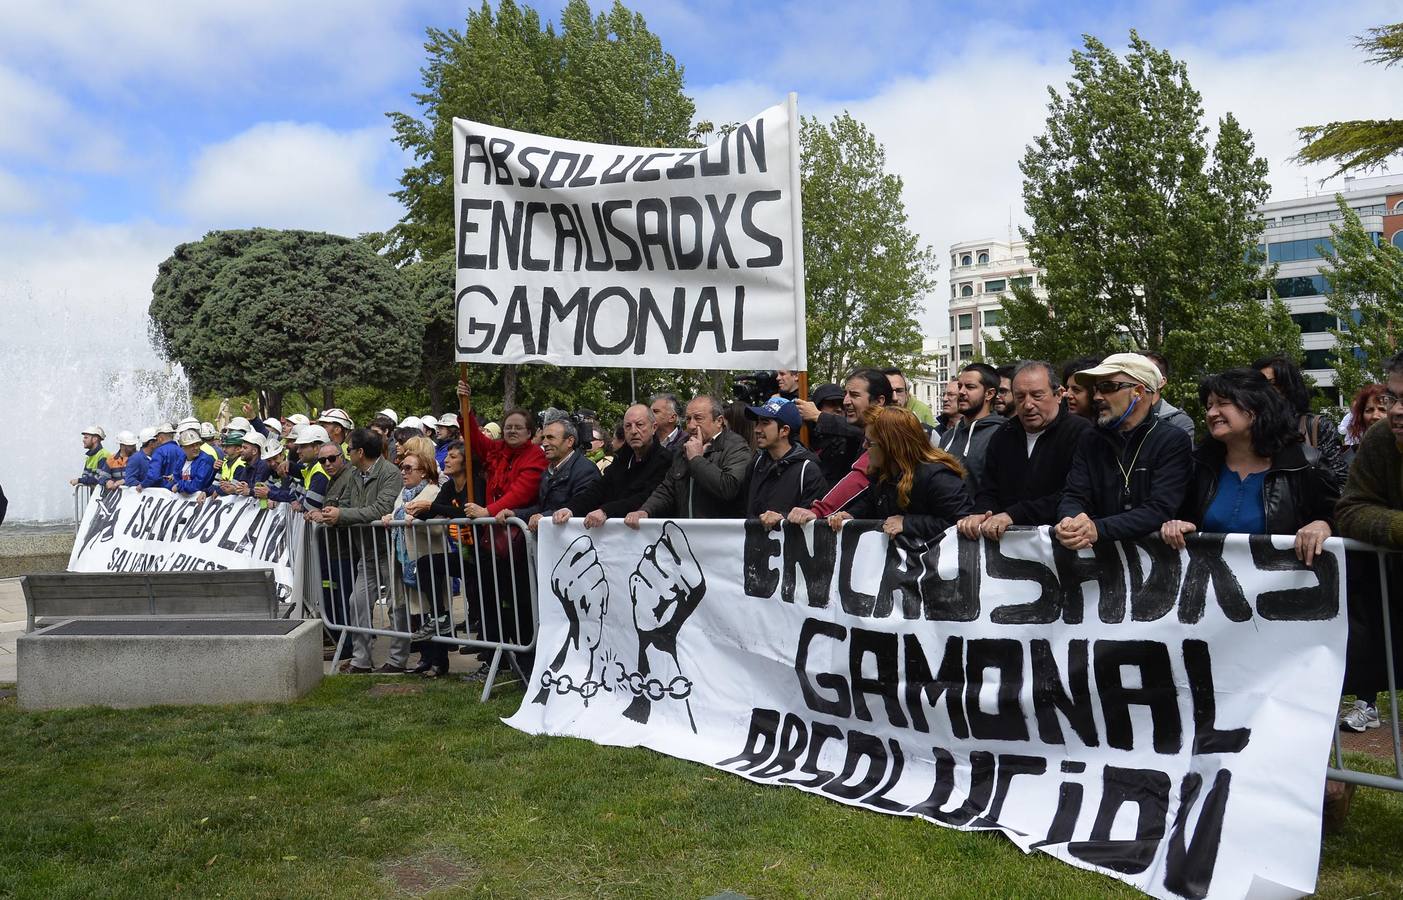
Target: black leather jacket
{"points": [[1299, 487], [938, 500]]}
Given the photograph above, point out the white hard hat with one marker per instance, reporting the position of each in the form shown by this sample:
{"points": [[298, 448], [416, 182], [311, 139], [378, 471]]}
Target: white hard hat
{"points": [[189, 423], [207, 430], [313, 434], [299, 419], [449, 420], [429, 421], [411, 422], [389, 414], [126, 439], [254, 438], [239, 423], [146, 436], [271, 448], [189, 437], [336, 416], [165, 428], [96, 431]]}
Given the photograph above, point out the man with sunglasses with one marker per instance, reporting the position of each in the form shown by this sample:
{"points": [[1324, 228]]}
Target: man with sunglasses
{"points": [[1128, 474]]}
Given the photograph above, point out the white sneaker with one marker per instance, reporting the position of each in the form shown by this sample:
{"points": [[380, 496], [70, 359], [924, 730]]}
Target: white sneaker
{"points": [[1360, 717]]}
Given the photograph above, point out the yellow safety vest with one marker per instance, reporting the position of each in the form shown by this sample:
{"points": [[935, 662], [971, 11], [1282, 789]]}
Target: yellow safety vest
{"points": [[229, 472]]}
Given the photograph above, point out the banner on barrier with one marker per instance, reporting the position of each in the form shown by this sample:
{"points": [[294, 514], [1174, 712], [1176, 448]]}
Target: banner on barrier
{"points": [[157, 530], [1160, 716], [581, 254]]}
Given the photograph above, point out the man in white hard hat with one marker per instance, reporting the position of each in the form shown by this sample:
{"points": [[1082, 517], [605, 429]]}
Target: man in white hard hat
{"points": [[167, 458], [279, 485], [114, 467], [252, 472], [1129, 474], [430, 424], [139, 467], [337, 424], [95, 453], [197, 474], [315, 478]]}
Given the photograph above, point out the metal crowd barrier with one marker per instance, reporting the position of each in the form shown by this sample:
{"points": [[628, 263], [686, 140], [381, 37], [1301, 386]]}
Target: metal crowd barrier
{"points": [[82, 495], [1338, 770], [478, 589]]}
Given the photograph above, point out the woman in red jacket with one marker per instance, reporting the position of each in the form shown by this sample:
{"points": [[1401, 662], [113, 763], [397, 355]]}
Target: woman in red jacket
{"points": [[513, 466]]}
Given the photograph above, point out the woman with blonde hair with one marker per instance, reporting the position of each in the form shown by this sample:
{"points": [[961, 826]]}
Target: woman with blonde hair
{"points": [[917, 490], [420, 472]]}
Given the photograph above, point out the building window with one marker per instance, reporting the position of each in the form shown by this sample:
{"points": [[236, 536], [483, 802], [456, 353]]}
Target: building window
{"points": [[1305, 248], [1024, 281], [967, 290], [995, 286], [1315, 321], [966, 352], [983, 257], [1301, 286], [966, 321], [1398, 239], [1319, 359], [965, 260], [993, 317], [1398, 207]]}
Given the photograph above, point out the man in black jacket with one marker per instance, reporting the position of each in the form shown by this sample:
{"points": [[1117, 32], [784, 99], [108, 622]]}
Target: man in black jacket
{"points": [[785, 474], [568, 472], [1129, 474], [637, 468], [838, 438], [1028, 458]]}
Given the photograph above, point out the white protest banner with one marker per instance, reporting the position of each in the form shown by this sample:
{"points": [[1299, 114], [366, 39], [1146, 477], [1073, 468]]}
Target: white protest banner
{"points": [[1160, 716], [581, 254], [156, 530]]}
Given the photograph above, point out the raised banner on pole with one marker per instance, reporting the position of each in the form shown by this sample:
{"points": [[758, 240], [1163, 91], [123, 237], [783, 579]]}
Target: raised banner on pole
{"points": [[156, 530], [581, 254], [1160, 716]]}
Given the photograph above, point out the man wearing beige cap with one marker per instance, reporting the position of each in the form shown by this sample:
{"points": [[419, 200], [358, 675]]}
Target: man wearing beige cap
{"points": [[1129, 473]]}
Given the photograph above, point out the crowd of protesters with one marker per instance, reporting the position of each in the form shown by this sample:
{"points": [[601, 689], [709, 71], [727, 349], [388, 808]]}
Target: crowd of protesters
{"points": [[1089, 448]]}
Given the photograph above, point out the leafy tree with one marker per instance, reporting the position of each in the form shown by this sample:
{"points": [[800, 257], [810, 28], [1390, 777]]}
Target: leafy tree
{"points": [[1148, 238], [865, 269], [280, 311], [1366, 283], [603, 78], [430, 283], [1363, 143]]}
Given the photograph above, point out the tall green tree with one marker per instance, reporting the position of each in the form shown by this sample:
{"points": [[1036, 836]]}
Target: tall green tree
{"points": [[865, 270], [1360, 143], [1148, 236], [281, 311], [1366, 295], [603, 78]]}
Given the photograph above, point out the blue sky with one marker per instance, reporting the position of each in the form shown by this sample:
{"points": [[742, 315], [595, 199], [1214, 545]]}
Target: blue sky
{"points": [[133, 126]]}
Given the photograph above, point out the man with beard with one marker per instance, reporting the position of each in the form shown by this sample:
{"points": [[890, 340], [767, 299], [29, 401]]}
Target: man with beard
{"points": [[1129, 474], [1003, 401], [638, 466], [1028, 457], [838, 438], [979, 386]]}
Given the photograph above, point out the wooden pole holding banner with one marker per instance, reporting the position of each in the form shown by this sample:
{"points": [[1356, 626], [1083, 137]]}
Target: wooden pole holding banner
{"points": [[796, 193], [463, 407]]}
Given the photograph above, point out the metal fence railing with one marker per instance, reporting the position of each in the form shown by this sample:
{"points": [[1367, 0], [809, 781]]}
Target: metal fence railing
{"points": [[442, 584], [1371, 652], [82, 494]]}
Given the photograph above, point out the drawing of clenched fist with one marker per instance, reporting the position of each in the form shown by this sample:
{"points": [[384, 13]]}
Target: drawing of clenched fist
{"points": [[666, 588], [578, 582]]}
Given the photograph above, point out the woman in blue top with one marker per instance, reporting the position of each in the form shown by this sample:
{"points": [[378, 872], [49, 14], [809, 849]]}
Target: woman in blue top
{"points": [[1253, 474]]}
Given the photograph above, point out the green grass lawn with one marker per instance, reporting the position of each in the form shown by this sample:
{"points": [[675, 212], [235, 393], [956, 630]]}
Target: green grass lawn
{"points": [[348, 795]]}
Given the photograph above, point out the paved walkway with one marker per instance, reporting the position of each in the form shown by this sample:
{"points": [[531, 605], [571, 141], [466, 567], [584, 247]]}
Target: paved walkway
{"points": [[11, 626]]}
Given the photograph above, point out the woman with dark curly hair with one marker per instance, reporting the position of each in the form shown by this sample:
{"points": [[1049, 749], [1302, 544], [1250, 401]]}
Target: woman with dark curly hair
{"points": [[1316, 429], [916, 490], [1253, 473], [1370, 405]]}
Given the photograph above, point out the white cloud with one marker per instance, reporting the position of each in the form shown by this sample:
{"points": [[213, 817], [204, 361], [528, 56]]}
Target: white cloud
{"points": [[293, 175], [31, 113], [16, 197], [956, 133]]}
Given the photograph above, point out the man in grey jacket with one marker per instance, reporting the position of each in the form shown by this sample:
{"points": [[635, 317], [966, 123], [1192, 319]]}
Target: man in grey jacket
{"points": [[707, 478], [373, 486], [979, 389]]}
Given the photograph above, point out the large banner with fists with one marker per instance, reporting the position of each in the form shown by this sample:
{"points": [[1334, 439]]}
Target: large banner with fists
{"points": [[1157, 715]]}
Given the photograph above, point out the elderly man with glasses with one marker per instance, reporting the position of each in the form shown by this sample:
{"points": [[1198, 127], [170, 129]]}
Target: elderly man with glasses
{"points": [[1128, 474]]}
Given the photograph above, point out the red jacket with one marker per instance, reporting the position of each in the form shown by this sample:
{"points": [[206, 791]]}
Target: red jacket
{"points": [[513, 474], [852, 486]]}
